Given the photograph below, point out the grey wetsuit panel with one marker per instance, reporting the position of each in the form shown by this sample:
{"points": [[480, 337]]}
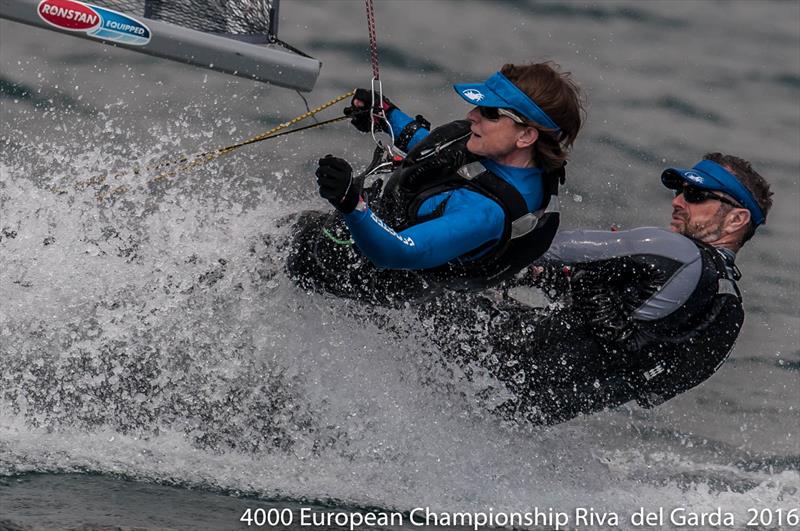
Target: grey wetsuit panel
{"points": [[580, 246]]}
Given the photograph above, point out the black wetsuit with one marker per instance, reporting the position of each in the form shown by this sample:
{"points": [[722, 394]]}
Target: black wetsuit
{"points": [[640, 315]]}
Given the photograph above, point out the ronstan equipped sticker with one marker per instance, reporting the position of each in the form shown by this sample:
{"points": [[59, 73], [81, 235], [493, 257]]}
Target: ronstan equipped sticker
{"points": [[97, 22]]}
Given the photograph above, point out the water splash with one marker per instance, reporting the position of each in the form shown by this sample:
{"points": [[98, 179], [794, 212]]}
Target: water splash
{"points": [[156, 336]]}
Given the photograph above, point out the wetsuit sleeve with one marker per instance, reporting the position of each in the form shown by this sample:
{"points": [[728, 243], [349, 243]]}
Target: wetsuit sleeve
{"points": [[399, 120], [664, 264], [462, 228]]}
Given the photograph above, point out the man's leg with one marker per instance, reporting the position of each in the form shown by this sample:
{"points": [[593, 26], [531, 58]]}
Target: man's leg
{"points": [[547, 359]]}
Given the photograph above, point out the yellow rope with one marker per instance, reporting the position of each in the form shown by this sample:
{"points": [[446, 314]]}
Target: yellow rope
{"points": [[203, 158], [186, 163]]}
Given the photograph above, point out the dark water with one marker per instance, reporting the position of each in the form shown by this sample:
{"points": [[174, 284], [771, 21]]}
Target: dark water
{"points": [[153, 336]]}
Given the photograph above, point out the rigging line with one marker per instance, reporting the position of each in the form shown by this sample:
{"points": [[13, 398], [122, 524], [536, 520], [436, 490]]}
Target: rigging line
{"points": [[203, 158], [305, 102], [376, 103], [373, 39], [293, 121], [187, 162]]}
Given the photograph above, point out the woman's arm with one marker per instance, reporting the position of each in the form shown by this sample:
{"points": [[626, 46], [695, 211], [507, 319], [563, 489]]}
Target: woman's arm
{"points": [[399, 121], [470, 220]]}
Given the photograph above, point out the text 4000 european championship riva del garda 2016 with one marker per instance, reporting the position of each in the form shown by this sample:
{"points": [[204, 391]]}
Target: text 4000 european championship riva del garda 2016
{"points": [[424, 517]]}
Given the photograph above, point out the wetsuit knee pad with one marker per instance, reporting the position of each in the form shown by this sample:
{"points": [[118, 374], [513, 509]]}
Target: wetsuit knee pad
{"points": [[321, 250]]}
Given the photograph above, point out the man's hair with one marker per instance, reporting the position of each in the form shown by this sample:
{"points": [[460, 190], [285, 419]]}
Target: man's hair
{"points": [[755, 184], [560, 98]]}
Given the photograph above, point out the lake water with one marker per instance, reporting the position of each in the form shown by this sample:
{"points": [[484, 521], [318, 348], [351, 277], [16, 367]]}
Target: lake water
{"points": [[158, 369]]}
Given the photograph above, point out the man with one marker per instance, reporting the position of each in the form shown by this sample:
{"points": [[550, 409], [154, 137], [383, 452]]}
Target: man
{"points": [[643, 314], [468, 203]]}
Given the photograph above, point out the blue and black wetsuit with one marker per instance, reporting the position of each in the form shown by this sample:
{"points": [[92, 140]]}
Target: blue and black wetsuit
{"points": [[645, 314], [437, 226], [469, 220]]}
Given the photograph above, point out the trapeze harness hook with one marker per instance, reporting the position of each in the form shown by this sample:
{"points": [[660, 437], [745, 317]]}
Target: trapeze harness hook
{"points": [[378, 113]]}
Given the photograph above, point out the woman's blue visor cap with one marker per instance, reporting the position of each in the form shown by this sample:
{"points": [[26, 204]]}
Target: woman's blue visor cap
{"points": [[709, 175], [499, 91]]}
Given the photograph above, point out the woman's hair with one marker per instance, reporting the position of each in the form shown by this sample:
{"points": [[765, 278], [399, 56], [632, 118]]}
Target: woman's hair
{"points": [[560, 98]]}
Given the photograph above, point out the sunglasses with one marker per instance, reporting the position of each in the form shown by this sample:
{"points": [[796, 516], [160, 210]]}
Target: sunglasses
{"points": [[692, 194], [494, 113]]}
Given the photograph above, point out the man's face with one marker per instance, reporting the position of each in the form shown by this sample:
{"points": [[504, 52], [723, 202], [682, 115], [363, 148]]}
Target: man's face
{"points": [[704, 221]]}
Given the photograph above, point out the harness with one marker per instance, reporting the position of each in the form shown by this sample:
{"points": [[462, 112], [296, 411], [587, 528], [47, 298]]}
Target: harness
{"points": [[663, 358], [441, 163]]}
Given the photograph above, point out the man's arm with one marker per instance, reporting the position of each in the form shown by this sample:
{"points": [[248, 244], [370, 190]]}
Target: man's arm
{"points": [[668, 262]]}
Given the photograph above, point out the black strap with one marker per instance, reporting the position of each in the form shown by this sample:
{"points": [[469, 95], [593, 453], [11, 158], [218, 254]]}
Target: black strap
{"points": [[409, 130], [507, 196], [504, 192], [726, 268]]}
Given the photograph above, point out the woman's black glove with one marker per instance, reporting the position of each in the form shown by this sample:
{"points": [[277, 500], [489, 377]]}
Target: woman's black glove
{"points": [[359, 110], [335, 179]]}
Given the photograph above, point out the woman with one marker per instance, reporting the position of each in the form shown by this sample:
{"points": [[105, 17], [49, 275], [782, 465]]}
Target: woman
{"points": [[467, 205]]}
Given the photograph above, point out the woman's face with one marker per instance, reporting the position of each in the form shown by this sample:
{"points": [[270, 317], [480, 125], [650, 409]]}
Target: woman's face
{"points": [[501, 140]]}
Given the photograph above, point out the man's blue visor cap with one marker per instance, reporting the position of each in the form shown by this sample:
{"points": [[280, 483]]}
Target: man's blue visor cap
{"points": [[709, 175], [499, 91]]}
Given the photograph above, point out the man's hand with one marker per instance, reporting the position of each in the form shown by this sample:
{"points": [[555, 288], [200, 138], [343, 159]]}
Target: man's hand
{"points": [[335, 179], [551, 277], [359, 110], [534, 273]]}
